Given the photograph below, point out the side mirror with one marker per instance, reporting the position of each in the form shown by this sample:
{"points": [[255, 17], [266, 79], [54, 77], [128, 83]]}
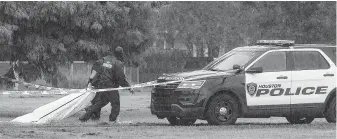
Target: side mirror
{"points": [[255, 70], [236, 67]]}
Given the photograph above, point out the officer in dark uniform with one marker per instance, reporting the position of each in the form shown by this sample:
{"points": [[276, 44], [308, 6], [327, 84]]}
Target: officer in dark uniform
{"points": [[107, 73]]}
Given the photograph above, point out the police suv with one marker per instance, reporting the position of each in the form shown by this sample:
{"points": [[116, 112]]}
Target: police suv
{"points": [[272, 78]]}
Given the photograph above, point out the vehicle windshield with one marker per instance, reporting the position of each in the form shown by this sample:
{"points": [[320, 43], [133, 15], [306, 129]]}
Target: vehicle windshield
{"points": [[231, 58]]}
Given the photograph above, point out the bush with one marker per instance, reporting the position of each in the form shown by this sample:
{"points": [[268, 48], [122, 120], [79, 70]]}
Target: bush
{"points": [[78, 80], [157, 61]]}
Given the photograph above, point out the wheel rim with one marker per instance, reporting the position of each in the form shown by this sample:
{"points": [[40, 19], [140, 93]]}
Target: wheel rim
{"points": [[223, 111]]}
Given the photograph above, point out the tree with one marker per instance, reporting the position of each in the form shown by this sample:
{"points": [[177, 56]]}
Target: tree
{"points": [[50, 34], [232, 24]]}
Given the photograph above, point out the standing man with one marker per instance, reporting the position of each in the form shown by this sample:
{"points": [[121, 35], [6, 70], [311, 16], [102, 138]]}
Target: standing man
{"points": [[107, 73]]}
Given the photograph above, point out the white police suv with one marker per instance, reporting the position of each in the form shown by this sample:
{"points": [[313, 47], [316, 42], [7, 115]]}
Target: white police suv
{"points": [[272, 78]]}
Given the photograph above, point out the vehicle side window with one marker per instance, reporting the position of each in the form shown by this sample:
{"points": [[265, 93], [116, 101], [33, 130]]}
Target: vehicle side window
{"points": [[309, 60], [331, 52], [272, 62]]}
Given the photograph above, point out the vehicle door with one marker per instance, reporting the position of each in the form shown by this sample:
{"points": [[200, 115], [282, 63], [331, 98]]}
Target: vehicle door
{"points": [[265, 90], [313, 77]]}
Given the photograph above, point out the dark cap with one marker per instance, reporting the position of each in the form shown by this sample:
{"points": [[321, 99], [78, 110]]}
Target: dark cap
{"points": [[119, 53]]}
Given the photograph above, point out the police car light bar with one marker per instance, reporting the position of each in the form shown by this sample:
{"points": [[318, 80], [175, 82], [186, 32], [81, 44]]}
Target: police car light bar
{"points": [[276, 42]]}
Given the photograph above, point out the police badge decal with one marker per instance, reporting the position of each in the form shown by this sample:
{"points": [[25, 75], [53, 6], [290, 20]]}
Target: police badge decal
{"points": [[251, 88]]}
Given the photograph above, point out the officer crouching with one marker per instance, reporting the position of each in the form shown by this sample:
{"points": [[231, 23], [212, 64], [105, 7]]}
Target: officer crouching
{"points": [[107, 73]]}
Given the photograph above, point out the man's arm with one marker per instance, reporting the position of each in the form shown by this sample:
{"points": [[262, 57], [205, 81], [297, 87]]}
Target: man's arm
{"points": [[93, 77], [120, 76]]}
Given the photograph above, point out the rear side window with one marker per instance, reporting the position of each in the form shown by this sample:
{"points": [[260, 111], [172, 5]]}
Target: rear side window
{"points": [[330, 52], [309, 60], [272, 62]]}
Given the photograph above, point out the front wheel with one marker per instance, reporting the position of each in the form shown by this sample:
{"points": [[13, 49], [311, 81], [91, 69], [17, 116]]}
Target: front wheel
{"points": [[180, 121], [223, 109], [299, 120]]}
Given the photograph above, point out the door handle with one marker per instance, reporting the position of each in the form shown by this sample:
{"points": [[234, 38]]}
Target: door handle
{"points": [[282, 77], [328, 74]]}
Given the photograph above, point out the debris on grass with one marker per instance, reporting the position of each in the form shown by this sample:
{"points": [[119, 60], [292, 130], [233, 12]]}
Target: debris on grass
{"points": [[131, 109], [92, 134], [28, 131]]}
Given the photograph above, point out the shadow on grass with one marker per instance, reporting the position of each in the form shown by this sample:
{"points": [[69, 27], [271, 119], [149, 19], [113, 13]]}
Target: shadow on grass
{"points": [[12, 114], [238, 126], [205, 124]]}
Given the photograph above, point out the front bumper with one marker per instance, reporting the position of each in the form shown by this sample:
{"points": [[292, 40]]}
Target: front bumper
{"points": [[168, 100], [178, 111]]}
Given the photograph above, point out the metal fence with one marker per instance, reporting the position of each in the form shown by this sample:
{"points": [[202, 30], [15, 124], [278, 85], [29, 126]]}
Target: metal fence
{"points": [[81, 68], [78, 73], [4, 67]]}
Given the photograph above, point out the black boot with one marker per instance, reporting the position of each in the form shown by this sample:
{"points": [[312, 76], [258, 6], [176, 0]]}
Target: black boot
{"points": [[112, 118], [86, 116], [96, 116]]}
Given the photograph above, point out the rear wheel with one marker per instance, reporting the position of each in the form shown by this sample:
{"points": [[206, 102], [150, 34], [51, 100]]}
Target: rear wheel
{"points": [[330, 114], [180, 121], [299, 120], [223, 109]]}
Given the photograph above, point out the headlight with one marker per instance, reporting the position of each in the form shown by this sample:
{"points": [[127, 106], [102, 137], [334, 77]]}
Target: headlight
{"points": [[191, 84]]}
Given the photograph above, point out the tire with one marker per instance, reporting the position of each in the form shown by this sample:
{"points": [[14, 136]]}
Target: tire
{"points": [[180, 121], [330, 113], [299, 120], [223, 109]]}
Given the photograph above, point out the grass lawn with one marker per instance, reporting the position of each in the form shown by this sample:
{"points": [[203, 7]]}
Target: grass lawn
{"points": [[137, 122]]}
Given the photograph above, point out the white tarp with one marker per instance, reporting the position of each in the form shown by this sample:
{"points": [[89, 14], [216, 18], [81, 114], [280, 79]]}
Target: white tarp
{"points": [[59, 109]]}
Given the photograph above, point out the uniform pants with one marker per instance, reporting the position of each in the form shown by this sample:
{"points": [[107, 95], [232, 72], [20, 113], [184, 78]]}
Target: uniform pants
{"points": [[103, 100], [95, 100]]}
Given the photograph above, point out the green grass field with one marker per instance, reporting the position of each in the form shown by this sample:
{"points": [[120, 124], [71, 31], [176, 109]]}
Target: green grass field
{"points": [[137, 122]]}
